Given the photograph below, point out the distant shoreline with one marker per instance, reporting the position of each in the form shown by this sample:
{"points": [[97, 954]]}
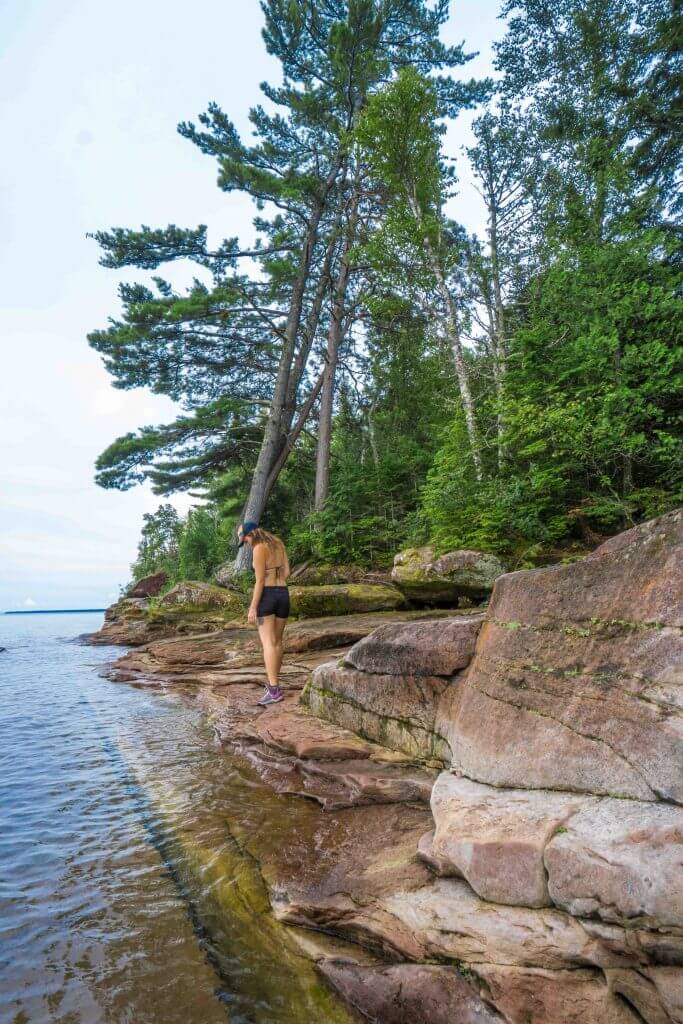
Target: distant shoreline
{"points": [[56, 611]]}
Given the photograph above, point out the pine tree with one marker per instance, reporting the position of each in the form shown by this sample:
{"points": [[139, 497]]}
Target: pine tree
{"points": [[400, 133], [244, 344]]}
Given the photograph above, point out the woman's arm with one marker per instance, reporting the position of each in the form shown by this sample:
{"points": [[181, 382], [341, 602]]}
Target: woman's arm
{"points": [[287, 569], [259, 562]]}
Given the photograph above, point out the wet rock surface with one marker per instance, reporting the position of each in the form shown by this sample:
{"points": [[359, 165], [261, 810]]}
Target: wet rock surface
{"points": [[490, 827]]}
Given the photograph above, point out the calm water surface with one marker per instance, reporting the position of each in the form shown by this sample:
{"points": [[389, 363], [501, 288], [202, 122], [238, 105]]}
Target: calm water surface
{"points": [[121, 889]]}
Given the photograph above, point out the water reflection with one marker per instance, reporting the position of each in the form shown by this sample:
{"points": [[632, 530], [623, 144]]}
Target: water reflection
{"points": [[123, 895]]}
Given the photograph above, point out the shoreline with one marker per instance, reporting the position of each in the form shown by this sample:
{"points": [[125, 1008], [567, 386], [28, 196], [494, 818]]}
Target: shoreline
{"points": [[468, 904]]}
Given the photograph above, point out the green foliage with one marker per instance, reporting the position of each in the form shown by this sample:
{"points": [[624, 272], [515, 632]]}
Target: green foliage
{"points": [[206, 541], [158, 546], [186, 549], [383, 443], [591, 410], [568, 307]]}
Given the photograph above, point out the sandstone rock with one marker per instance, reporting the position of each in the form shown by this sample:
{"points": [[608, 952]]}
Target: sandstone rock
{"points": [[577, 675], [149, 586], [621, 860], [668, 982], [323, 574], [343, 599], [446, 919], [409, 993], [640, 992], [396, 711], [194, 596], [425, 852], [422, 576], [298, 733], [496, 838], [126, 608], [340, 783], [438, 647], [537, 996]]}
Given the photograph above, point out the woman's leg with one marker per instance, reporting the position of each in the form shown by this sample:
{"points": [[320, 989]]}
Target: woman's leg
{"points": [[279, 633], [273, 660]]}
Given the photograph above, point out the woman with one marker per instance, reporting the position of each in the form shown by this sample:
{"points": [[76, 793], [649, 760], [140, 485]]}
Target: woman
{"points": [[270, 601]]}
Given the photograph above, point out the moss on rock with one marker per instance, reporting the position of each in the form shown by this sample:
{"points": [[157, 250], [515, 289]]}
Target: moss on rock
{"points": [[191, 596], [430, 579], [343, 599]]}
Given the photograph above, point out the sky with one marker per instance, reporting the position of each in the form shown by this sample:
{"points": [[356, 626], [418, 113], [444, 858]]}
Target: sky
{"points": [[90, 96]]}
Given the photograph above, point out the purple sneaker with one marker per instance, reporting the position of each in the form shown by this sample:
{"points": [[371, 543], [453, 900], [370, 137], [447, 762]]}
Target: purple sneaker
{"points": [[273, 696]]}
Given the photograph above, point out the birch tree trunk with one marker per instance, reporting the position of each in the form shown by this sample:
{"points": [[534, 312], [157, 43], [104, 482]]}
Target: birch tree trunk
{"points": [[499, 336]]}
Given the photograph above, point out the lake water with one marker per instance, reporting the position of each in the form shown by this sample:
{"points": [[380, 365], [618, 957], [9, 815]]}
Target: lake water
{"points": [[123, 897]]}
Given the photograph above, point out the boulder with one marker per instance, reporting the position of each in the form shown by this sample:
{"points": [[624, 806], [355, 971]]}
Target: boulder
{"points": [[447, 920], [496, 838], [396, 711], [577, 675], [430, 579], [323, 574], [620, 860], [430, 647], [126, 608], [343, 599], [193, 596], [149, 586]]}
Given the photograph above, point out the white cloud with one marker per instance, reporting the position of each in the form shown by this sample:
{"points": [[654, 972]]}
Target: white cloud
{"points": [[29, 603]]}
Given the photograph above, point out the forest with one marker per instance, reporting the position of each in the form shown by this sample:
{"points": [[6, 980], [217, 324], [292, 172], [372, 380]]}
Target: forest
{"points": [[362, 374]]}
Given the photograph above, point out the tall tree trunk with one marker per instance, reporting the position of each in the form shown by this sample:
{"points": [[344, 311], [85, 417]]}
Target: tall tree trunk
{"points": [[453, 332], [274, 436], [334, 339], [293, 435], [500, 339]]}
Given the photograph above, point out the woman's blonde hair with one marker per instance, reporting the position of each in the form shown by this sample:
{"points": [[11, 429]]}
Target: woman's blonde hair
{"points": [[274, 544]]}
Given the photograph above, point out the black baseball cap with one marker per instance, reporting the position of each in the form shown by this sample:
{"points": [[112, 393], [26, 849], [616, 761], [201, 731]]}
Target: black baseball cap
{"points": [[244, 529]]}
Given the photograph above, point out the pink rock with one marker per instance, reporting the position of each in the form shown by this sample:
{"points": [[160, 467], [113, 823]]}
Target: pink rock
{"points": [[495, 838], [621, 860], [577, 678], [438, 647]]}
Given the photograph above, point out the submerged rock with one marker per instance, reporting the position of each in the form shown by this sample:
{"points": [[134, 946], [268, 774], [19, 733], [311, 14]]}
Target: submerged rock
{"points": [[430, 579], [405, 993]]}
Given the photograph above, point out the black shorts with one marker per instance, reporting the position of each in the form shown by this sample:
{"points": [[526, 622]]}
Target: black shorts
{"points": [[274, 601]]}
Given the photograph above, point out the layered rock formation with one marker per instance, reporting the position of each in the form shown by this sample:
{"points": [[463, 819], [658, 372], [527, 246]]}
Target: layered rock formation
{"points": [[557, 843], [193, 607], [494, 820]]}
